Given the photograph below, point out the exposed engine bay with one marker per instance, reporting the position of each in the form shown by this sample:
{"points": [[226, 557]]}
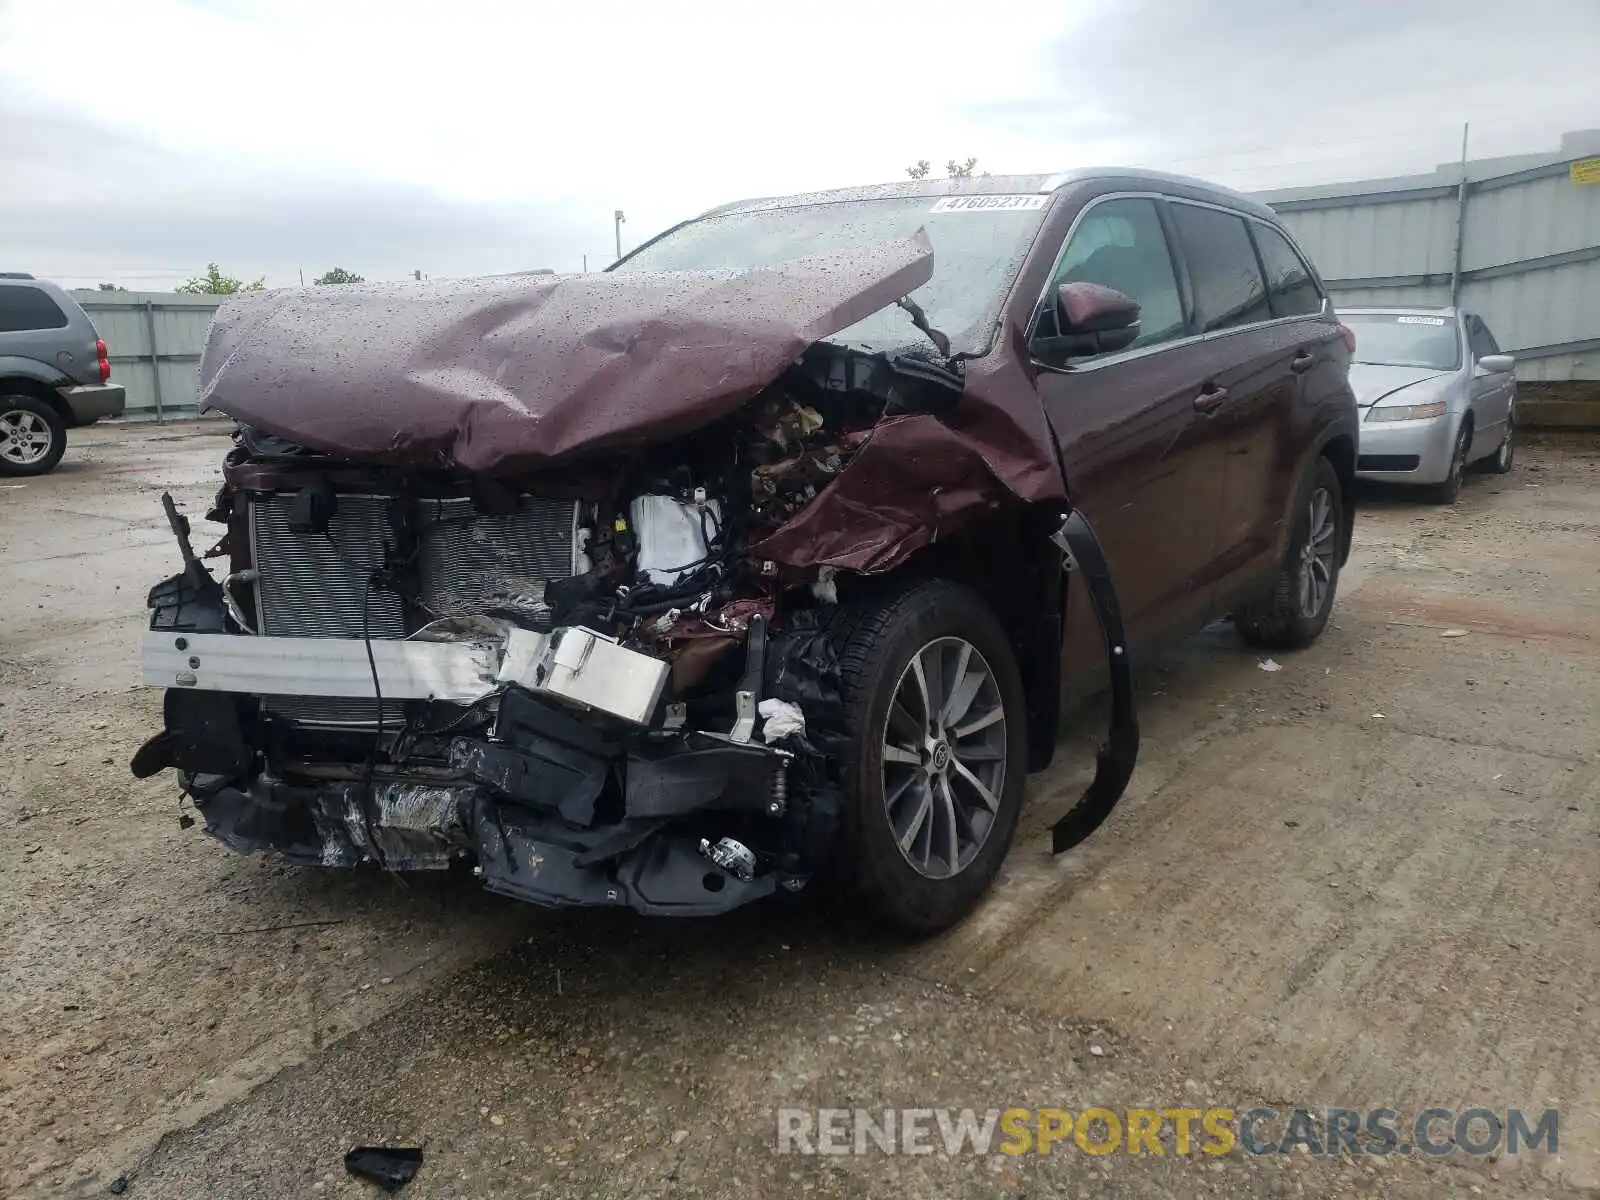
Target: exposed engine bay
{"points": [[593, 690]]}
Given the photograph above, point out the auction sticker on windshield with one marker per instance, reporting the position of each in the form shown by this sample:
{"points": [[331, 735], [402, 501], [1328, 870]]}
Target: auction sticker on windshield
{"points": [[996, 203], [1421, 320]]}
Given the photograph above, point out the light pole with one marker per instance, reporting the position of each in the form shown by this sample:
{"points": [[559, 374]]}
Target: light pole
{"points": [[617, 220]]}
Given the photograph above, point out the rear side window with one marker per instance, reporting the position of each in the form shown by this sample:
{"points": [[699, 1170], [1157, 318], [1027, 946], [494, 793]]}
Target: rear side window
{"points": [[1290, 289], [1228, 287], [23, 308], [1120, 244]]}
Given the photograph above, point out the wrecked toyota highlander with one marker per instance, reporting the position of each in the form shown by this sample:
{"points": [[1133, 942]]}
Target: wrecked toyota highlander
{"points": [[770, 555]]}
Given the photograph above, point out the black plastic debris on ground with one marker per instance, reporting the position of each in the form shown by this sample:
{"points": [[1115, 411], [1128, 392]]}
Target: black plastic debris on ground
{"points": [[390, 1167]]}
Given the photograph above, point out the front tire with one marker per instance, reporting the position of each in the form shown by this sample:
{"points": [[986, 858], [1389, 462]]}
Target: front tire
{"points": [[934, 700], [1450, 489], [1291, 614], [33, 437]]}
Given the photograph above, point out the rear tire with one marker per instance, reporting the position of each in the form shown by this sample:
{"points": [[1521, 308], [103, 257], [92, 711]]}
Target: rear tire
{"points": [[33, 437], [1291, 614], [943, 779], [1446, 492]]}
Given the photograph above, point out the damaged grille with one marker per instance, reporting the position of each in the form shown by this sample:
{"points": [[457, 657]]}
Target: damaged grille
{"points": [[315, 584]]}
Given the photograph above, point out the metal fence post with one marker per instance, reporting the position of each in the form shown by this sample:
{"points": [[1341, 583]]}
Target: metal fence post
{"points": [[1461, 224], [155, 357]]}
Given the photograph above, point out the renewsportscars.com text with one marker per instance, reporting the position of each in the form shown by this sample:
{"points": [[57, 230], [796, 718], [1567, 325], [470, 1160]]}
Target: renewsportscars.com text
{"points": [[1161, 1131]]}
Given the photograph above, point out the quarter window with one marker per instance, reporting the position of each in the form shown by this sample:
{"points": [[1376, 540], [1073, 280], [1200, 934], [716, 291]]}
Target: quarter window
{"points": [[23, 308], [1228, 287], [1480, 339], [1291, 291], [1120, 244]]}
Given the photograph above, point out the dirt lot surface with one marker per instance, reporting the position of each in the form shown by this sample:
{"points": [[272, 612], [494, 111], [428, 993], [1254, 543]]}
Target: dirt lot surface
{"points": [[1370, 878]]}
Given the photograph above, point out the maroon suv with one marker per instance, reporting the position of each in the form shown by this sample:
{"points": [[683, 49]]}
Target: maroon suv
{"points": [[768, 555]]}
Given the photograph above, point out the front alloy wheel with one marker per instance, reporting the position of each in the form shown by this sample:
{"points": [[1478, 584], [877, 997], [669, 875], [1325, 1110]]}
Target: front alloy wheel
{"points": [[1447, 491], [937, 745], [944, 757]]}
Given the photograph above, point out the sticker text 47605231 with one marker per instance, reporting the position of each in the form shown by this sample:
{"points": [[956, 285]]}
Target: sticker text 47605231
{"points": [[995, 203]]}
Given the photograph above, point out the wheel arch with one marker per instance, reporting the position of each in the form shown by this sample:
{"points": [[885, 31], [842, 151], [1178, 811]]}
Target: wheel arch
{"points": [[23, 385], [1007, 559], [1340, 450]]}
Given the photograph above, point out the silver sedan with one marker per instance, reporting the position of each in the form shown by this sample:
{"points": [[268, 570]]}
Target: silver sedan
{"points": [[1436, 395]]}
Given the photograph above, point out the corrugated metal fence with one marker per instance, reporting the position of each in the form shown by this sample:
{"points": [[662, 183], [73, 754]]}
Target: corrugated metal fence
{"points": [[1516, 240], [155, 340]]}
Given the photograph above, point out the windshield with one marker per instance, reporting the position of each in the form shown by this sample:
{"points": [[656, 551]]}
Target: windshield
{"points": [[1400, 340], [978, 243]]}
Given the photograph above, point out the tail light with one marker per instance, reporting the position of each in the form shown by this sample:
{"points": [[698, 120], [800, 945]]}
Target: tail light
{"points": [[105, 360], [1349, 336]]}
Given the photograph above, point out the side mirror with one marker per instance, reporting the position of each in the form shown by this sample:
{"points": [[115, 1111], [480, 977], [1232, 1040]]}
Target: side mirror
{"points": [[1094, 319], [1496, 364]]}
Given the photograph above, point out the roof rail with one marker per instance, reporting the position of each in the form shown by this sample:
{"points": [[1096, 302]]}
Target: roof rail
{"points": [[15, 275]]}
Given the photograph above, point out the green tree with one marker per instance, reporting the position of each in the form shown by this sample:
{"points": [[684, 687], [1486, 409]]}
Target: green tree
{"points": [[215, 283], [920, 171], [339, 275], [111, 287], [960, 170]]}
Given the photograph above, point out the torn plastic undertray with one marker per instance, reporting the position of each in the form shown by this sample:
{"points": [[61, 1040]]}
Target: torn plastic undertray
{"points": [[695, 773], [543, 861], [542, 757], [417, 826], [546, 759], [202, 734]]}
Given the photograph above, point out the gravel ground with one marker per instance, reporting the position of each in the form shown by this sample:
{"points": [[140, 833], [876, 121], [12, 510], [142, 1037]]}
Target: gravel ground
{"points": [[1301, 902]]}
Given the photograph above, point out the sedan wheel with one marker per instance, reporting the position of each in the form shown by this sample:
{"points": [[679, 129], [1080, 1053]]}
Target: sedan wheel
{"points": [[1447, 491], [944, 757]]}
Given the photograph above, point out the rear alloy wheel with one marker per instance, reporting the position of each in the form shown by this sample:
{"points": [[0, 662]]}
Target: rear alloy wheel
{"points": [[1292, 614], [33, 436], [1500, 462], [1446, 492], [935, 778]]}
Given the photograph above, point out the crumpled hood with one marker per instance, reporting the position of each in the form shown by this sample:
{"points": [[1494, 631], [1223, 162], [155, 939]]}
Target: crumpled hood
{"points": [[510, 374], [1372, 382]]}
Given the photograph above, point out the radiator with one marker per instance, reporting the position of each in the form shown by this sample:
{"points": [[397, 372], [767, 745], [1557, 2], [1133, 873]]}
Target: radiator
{"points": [[314, 585]]}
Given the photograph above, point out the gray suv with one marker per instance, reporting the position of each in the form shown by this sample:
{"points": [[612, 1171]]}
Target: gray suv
{"points": [[54, 373]]}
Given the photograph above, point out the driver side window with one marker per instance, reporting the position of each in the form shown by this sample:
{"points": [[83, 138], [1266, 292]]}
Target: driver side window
{"points": [[1120, 244]]}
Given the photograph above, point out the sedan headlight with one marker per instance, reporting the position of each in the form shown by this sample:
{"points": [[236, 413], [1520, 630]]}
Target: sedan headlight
{"points": [[1410, 412]]}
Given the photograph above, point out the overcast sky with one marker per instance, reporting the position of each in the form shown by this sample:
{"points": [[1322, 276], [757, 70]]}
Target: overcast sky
{"points": [[140, 139]]}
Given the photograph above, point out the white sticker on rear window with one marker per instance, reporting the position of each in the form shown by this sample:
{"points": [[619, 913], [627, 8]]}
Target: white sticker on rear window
{"points": [[996, 203], [1420, 320]]}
